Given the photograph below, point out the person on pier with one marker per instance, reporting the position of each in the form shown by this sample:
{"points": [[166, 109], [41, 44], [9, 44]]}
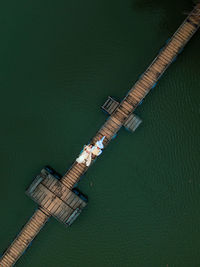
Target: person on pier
{"points": [[85, 156], [89, 151], [97, 148]]}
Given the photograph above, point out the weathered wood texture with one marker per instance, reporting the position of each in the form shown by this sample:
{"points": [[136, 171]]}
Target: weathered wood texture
{"points": [[53, 196], [111, 127], [110, 105], [132, 122]]}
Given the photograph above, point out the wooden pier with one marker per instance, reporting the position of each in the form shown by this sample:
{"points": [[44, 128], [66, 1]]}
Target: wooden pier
{"points": [[56, 195]]}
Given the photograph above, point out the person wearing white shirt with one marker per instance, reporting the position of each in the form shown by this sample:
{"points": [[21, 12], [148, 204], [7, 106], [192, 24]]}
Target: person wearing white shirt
{"points": [[85, 156]]}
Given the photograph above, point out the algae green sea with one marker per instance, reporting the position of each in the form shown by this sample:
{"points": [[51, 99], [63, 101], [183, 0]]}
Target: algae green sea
{"points": [[59, 62]]}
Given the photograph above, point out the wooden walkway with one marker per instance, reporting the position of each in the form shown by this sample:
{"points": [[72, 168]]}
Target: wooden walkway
{"points": [[141, 88], [25, 237], [109, 129]]}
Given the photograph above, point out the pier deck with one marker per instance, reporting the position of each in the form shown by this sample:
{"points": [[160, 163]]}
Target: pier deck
{"points": [[109, 129]]}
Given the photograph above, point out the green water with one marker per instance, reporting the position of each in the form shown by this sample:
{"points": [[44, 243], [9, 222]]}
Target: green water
{"points": [[59, 62]]}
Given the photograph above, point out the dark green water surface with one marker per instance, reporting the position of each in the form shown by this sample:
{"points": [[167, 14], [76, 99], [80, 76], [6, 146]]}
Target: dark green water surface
{"points": [[59, 62]]}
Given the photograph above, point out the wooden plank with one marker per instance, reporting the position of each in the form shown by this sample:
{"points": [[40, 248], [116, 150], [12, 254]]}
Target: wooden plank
{"points": [[187, 31], [41, 199], [168, 55], [110, 105], [75, 172], [54, 205], [78, 171], [46, 204], [120, 116], [6, 260], [162, 60], [24, 238], [115, 120], [151, 77], [63, 191], [9, 258], [81, 168], [59, 215], [62, 211], [13, 254], [119, 111], [31, 228], [178, 41], [165, 58], [126, 103], [48, 180], [131, 100], [140, 87], [52, 183], [180, 35], [157, 68], [124, 109], [111, 128], [66, 195], [72, 180], [69, 181], [143, 83], [33, 225], [70, 176], [37, 194], [40, 196], [66, 215], [67, 211], [40, 214], [78, 204], [108, 132], [70, 199], [188, 26], [74, 201], [136, 96], [112, 108], [139, 93], [111, 124], [67, 184], [148, 81], [56, 212], [16, 250]]}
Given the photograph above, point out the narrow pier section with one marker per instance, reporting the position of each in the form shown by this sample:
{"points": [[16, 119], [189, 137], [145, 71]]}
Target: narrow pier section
{"points": [[166, 56], [119, 116], [24, 238], [142, 87]]}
